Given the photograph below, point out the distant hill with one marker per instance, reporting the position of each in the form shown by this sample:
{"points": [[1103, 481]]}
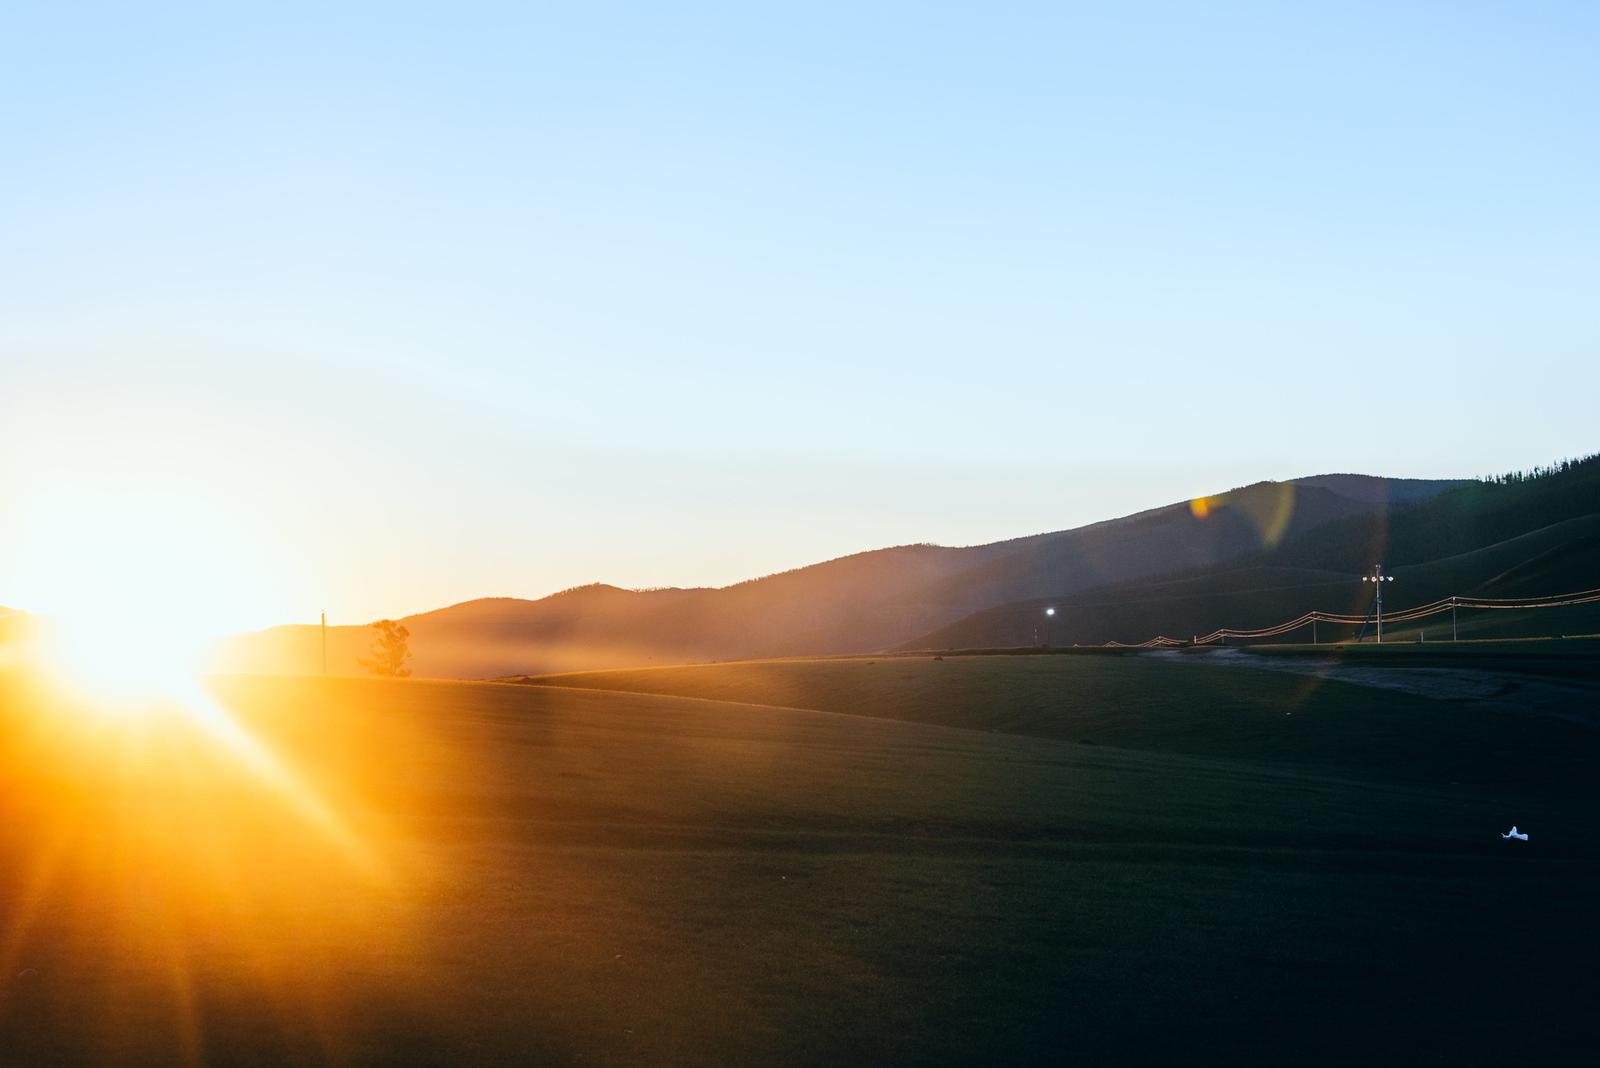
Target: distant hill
{"points": [[13, 624], [1516, 536], [859, 603]]}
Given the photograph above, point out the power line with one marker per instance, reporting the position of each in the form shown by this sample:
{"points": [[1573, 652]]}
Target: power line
{"points": [[1408, 615]]}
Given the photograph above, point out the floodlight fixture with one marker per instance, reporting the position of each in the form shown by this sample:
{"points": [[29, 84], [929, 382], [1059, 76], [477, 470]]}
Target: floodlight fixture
{"points": [[1378, 578]]}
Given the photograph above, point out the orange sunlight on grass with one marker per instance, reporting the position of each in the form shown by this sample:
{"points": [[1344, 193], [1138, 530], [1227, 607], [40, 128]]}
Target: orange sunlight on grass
{"points": [[192, 853], [191, 857]]}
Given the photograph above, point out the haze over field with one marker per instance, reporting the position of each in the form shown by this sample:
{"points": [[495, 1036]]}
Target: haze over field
{"points": [[1246, 558]]}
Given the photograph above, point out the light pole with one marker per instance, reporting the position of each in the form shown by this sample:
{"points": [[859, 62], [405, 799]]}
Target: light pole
{"points": [[1378, 578], [1049, 614]]}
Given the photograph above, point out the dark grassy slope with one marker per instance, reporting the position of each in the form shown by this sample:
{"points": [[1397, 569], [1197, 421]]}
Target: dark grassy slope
{"points": [[1530, 537], [606, 878], [1559, 558], [1467, 517], [1166, 706], [856, 603]]}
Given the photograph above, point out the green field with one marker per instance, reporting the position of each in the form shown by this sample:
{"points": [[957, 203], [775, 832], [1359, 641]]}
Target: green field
{"points": [[1169, 704], [983, 859]]}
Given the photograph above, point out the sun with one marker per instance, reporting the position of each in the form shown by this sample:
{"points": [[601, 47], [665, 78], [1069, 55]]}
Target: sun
{"points": [[133, 589], [124, 657]]}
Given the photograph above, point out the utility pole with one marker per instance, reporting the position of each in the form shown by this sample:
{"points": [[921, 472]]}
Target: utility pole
{"points": [[1313, 630], [324, 643], [1452, 619], [1378, 578]]}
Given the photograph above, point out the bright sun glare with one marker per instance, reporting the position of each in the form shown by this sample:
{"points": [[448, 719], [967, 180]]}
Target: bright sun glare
{"points": [[134, 588], [121, 655]]}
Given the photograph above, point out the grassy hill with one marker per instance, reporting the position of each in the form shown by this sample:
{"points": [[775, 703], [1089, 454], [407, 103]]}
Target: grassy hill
{"points": [[1243, 862], [1167, 705], [1526, 536], [856, 603]]}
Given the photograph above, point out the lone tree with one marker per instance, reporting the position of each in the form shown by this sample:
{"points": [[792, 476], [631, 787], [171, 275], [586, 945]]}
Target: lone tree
{"points": [[389, 650]]}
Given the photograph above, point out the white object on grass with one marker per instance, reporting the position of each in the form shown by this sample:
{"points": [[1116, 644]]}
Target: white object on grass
{"points": [[1514, 834]]}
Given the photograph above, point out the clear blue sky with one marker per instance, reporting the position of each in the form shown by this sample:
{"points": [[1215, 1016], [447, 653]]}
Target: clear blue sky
{"points": [[420, 305]]}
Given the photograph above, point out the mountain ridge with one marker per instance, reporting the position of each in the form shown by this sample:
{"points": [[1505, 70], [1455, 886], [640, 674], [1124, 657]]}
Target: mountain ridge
{"points": [[859, 602], [1522, 536]]}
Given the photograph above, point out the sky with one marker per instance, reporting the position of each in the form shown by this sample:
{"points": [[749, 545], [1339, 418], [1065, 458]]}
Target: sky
{"points": [[373, 309]]}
